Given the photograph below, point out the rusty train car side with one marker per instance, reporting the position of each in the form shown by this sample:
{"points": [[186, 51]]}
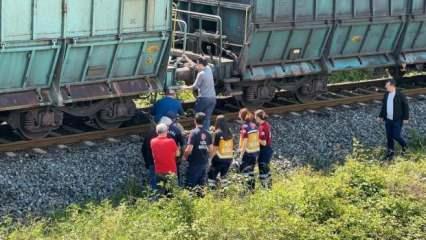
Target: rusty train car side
{"points": [[86, 58], [296, 44]]}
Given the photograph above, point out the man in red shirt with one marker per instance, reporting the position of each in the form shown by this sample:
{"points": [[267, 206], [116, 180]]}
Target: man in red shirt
{"points": [[164, 152]]}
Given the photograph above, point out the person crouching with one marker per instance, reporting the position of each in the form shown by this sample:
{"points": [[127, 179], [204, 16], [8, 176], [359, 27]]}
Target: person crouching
{"points": [[164, 152], [223, 151], [249, 147], [266, 152]]}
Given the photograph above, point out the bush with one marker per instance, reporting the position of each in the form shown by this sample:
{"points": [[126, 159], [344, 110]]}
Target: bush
{"points": [[354, 75], [364, 199]]}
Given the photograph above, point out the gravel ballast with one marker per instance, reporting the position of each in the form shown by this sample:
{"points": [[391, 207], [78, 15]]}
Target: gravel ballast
{"points": [[36, 184], [328, 136]]}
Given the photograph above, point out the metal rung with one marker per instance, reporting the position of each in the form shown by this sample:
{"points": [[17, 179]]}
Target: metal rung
{"points": [[236, 93], [231, 80]]}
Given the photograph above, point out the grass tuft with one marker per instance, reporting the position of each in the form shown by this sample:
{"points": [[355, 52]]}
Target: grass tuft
{"points": [[362, 199]]}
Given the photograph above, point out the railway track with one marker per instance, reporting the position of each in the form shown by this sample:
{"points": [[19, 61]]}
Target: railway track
{"points": [[338, 95]]}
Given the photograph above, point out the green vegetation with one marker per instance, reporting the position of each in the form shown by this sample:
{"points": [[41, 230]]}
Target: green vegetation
{"points": [[354, 75], [146, 101], [364, 199]]}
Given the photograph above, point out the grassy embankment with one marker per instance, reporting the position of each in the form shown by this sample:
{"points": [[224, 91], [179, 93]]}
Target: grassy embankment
{"points": [[364, 199]]}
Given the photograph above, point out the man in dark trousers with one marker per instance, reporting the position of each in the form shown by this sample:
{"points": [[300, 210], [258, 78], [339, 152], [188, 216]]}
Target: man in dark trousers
{"points": [[395, 112], [147, 156], [197, 153]]}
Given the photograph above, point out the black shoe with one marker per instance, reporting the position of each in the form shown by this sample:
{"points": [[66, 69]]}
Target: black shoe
{"points": [[389, 156], [404, 151]]}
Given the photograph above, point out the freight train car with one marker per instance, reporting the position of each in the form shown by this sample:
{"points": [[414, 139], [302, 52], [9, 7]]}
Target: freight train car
{"points": [[86, 58], [260, 46]]}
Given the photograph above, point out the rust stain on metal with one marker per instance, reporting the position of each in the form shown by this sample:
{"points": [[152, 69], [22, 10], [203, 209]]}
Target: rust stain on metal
{"points": [[153, 48]]}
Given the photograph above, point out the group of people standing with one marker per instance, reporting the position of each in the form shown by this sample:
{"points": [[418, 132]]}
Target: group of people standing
{"points": [[209, 153], [208, 150]]}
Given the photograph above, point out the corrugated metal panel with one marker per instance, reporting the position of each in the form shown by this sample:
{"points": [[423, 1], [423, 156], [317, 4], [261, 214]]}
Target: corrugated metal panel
{"points": [[112, 60], [112, 48], [360, 63], [418, 7], [310, 10], [52, 19], [27, 67], [367, 38], [287, 45], [281, 71], [415, 37]]}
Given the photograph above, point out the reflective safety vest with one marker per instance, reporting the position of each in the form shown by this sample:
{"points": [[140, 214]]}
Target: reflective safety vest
{"points": [[253, 145], [225, 149]]}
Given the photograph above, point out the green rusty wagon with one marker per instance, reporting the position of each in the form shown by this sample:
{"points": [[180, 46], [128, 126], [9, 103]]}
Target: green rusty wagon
{"points": [[86, 58], [295, 44]]}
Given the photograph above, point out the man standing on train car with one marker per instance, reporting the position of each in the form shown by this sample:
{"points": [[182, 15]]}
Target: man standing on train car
{"points": [[394, 112], [204, 83]]}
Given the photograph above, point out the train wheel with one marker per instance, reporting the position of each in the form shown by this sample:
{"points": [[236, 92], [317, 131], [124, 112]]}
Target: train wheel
{"points": [[103, 124], [305, 93], [115, 114], [256, 96], [310, 88], [35, 124]]}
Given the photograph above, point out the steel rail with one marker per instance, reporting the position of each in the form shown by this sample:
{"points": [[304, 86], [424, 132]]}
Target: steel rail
{"points": [[188, 122]]}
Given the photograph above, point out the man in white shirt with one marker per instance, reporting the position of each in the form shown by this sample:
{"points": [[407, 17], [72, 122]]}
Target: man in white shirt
{"points": [[394, 112]]}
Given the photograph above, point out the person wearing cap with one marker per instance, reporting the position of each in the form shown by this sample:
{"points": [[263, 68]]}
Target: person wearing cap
{"points": [[167, 104], [204, 83]]}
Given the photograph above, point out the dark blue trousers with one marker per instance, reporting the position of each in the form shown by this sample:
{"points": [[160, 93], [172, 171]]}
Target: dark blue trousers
{"points": [[265, 157], [152, 177], [196, 175], [247, 166], [219, 166], [206, 106], [393, 133]]}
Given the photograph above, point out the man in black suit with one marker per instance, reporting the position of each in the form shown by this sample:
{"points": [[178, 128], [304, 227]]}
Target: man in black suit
{"points": [[395, 112]]}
